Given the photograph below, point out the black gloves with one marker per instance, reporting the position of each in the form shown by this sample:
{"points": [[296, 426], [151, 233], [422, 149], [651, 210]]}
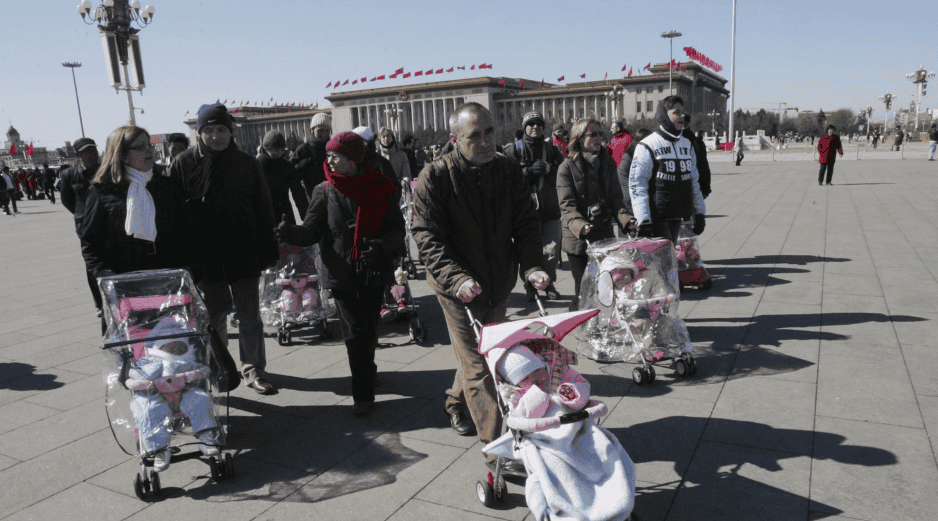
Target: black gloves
{"points": [[372, 252], [288, 233], [540, 168], [645, 229], [700, 223]]}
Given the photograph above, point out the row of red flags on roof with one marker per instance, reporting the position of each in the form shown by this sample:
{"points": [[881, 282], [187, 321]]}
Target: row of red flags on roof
{"points": [[400, 73], [694, 54]]}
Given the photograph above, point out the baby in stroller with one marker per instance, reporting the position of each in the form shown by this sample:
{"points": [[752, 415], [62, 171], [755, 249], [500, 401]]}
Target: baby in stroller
{"points": [[576, 469], [691, 271], [290, 296]]}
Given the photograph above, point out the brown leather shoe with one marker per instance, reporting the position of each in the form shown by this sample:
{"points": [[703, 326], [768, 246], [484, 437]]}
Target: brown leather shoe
{"points": [[262, 386]]}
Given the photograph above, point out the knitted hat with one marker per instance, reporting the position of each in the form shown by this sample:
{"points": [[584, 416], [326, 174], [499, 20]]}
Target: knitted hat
{"points": [[531, 118], [321, 119], [178, 137], [274, 139], [558, 126], [517, 363], [365, 132], [349, 144], [83, 143], [214, 114]]}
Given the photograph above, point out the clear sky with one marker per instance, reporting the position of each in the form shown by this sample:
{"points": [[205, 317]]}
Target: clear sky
{"points": [[809, 53]]}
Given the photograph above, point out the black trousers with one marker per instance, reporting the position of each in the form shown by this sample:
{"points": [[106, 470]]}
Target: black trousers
{"points": [[829, 166], [358, 312], [578, 264]]}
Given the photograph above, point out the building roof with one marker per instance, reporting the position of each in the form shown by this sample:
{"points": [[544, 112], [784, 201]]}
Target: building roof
{"points": [[12, 131], [482, 81]]}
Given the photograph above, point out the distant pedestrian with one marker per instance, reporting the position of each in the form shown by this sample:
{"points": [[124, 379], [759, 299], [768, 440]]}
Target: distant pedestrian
{"points": [[700, 150], [739, 150], [622, 171], [932, 142], [875, 139], [408, 145], [178, 143], [620, 142], [826, 146], [6, 192], [282, 179], [900, 135], [48, 179], [390, 150], [73, 189], [230, 212], [309, 157], [558, 137]]}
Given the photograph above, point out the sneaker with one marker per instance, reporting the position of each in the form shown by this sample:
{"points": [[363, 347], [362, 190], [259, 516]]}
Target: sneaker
{"points": [[402, 307], [385, 312], [161, 460], [207, 443]]}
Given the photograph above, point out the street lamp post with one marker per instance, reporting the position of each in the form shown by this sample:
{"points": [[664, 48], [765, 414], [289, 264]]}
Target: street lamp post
{"points": [[613, 96], [919, 78], [887, 99], [120, 41], [671, 35], [393, 114], [733, 75], [713, 122], [73, 65]]}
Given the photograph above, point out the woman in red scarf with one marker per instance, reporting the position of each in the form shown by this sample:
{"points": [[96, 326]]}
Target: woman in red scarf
{"points": [[360, 231]]}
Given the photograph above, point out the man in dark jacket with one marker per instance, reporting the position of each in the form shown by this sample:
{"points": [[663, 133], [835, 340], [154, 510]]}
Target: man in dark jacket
{"points": [[826, 146], [6, 187], [539, 161], [309, 157], [700, 149], [229, 210], [932, 142], [73, 187], [475, 223], [409, 143], [48, 182], [281, 177]]}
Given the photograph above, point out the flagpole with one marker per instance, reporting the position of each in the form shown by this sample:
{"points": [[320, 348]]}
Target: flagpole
{"points": [[733, 76]]}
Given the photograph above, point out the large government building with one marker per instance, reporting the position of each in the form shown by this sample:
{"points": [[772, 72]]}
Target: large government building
{"points": [[427, 106]]}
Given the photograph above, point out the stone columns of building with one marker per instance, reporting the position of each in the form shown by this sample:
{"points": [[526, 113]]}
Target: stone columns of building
{"points": [[435, 118], [413, 116]]}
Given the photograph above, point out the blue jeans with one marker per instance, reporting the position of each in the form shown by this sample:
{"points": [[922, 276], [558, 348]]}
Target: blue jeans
{"points": [[931, 149]]}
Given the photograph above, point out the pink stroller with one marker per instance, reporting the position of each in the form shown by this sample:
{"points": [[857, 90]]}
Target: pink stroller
{"points": [[691, 271], [291, 297], [162, 376], [575, 468]]}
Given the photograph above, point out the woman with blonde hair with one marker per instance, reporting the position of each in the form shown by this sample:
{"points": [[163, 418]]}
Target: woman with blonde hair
{"points": [[590, 197], [133, 216]]}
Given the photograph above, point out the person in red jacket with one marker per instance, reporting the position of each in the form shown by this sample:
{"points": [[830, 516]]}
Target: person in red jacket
{"points": [[558, 138], [620, 142], [826, 146]]}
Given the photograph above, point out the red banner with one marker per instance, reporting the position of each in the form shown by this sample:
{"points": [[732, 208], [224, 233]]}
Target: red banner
{"points": [[694, 54]]}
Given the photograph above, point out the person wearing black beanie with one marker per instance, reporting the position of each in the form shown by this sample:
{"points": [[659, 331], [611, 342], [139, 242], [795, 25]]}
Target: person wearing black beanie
{"points": [[228, 209], [281, 177]]}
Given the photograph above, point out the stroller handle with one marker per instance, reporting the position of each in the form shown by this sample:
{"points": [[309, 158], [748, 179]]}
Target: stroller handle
{"points": [[476, 325], [593, 410]]}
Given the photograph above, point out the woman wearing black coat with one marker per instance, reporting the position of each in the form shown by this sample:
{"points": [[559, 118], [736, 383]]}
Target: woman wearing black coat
{"points": [[590, 197], [134, 217], [355, 219]]}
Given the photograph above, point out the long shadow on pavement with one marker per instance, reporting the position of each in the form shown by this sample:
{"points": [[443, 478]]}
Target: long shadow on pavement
{"points": [[17, 376]]}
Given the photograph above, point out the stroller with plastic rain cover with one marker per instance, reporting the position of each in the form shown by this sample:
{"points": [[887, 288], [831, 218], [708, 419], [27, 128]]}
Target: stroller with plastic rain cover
{"points": [[575, 468], [634, 284], [163, 376], [291, 297], [690, 268]]}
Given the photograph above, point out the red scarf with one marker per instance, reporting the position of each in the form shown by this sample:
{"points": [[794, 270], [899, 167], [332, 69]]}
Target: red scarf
{"points": [[371, 190]]}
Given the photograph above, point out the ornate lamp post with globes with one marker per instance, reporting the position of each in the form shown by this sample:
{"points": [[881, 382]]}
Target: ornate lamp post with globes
{"points": [[120, 41], [614, 96]]}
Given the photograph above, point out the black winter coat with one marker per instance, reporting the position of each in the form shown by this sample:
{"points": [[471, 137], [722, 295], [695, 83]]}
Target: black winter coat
{"points": [[233, 224], [475, 222], [703, 165], [74, 189], [543, 187], [308, 159], [576, 198], [108, 249], [327, 223], [282, 180]]}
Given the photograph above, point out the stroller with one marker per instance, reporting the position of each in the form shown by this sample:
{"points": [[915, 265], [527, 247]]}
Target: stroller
{"points": [[574, 466], [407, 208], [290, 294], [634, 284], [690, 269], [163, 376]]}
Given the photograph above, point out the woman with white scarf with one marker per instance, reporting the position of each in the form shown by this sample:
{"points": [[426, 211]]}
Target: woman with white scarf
{"points": [[134, 214]]}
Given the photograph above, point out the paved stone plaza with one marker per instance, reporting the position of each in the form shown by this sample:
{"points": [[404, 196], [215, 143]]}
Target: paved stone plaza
{"points": [[816, 396]]}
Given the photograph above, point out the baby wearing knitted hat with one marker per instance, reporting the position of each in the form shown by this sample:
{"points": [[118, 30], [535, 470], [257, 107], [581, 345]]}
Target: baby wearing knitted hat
{"points": [[521, 367]]}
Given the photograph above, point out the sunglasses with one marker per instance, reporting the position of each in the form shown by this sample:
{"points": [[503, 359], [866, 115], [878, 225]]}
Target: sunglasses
{"points": [[594, 133], [141, 146]]}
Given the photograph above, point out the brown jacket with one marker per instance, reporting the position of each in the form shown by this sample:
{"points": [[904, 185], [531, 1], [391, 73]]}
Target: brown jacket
{"points": [[574, 205], [475, 222]]}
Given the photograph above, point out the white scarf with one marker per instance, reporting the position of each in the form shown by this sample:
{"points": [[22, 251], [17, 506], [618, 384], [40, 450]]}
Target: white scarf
{"points": [[141, 212]]}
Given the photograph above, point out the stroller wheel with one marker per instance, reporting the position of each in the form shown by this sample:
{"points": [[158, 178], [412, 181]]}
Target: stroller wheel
{"points": [[682, 368], [229, 466], [417, 333], [412, 270], [138, 487], [155, 482], [638, 376], [501, 489], [693, 365], [324, 327], [650, 373], [485, 492], [707, 284], [213, 468]]}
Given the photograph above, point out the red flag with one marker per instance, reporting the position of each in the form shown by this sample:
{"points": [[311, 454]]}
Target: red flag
{"points": [[606, 77], [501, 83], [13, 149], [472, 68], [354, 82], [450, 69], [329, 85], [648, 67], [29, 151], [418, 73], [486, 65], [542, 82], [407, 75], [462, 68], [235, 111], [336, 86], [623, 68], [429, 72], [373, 79], [381, 77], [630, 72], [583, 75], [393, 76], [560, 78], [345, 83], [521, 84], [364, 79], [439, 71], [399, 71]]}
